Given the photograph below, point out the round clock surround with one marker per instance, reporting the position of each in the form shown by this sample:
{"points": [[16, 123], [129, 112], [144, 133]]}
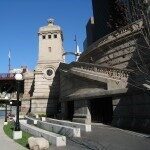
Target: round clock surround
{"points": [[48, 72]]}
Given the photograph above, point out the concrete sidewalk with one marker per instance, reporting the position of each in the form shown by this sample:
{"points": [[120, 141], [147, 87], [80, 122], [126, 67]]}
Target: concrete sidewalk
{"points": [[5, 142]]}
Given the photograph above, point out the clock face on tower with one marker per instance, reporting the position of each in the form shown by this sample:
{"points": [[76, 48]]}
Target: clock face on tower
{"points": [[48, 72]]}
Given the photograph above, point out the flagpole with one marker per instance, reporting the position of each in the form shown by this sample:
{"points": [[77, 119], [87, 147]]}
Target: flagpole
{"points": [[76, 41], [9, 65]]}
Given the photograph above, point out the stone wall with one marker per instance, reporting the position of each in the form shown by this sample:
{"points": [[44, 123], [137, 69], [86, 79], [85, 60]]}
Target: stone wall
{"points": [[70, 84], [28, 84], [28, 91], [44, 105], [132, 112], [119, 59], [122, 49], [46, 93]]}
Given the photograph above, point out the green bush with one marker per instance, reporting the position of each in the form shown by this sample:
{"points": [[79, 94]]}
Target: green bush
{"points": [[42, 115]]}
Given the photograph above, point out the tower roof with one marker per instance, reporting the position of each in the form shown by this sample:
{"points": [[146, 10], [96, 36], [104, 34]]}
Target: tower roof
{"points": [[51, 27]]}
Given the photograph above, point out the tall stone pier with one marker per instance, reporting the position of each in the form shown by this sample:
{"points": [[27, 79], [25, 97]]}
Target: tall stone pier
{"points": [[82, 112], [44, 99]]}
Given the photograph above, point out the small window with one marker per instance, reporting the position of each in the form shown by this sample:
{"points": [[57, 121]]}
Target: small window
{"points": [[49, 36], [49, 72], [44, 37], [49, 49], [55, 36]]}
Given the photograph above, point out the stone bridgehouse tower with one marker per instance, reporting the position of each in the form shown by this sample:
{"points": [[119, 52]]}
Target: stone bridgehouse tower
{"points": [[41, 86], [109, 83]]}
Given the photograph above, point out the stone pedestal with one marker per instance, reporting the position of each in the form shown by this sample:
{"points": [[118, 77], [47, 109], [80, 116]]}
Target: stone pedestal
{"points": [[81, 112], [17, 135], [5, 123], [43, 118], [37, 116]]}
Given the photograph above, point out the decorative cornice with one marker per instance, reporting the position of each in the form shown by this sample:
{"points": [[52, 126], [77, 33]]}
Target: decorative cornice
{"points": [[49, 32]]}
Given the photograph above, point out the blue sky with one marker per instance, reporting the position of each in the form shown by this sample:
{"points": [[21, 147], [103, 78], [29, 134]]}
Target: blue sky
{"points": [[21, 19]]}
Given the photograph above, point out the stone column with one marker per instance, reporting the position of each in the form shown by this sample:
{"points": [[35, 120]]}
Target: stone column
{"points": [[28, 90], [81, 112]]}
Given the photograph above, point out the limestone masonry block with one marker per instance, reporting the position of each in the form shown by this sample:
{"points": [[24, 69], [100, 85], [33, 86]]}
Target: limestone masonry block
{"points": [[53, 138], [17, 135], [60, 129], [83, 127], [38, 143]]}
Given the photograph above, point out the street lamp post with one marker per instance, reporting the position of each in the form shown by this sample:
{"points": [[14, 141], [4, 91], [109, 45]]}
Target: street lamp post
{"points": [[5, 123], [17, 134]]}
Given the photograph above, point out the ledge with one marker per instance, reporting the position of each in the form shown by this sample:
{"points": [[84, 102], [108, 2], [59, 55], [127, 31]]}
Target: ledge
{"points": [[92, 94]]}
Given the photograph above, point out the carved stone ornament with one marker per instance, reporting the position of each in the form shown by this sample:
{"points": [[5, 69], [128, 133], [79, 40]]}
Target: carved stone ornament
{"points": [[48, 72]]}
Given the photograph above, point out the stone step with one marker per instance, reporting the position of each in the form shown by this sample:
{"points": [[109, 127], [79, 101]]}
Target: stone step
{"points": [[53, 138], [59, 129], [83, 127], [31, 120]]}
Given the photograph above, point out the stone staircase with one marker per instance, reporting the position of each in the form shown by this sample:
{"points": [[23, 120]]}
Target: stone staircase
{"points": [[53, 130]]}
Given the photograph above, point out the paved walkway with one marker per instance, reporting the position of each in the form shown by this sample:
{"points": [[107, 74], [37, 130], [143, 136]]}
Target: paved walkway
{"points": [[5, 142], [108, 138], [101, 138], [105, 137]]}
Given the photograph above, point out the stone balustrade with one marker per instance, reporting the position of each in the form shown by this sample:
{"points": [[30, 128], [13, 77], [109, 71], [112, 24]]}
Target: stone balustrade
{"points": [[107, 71]]}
